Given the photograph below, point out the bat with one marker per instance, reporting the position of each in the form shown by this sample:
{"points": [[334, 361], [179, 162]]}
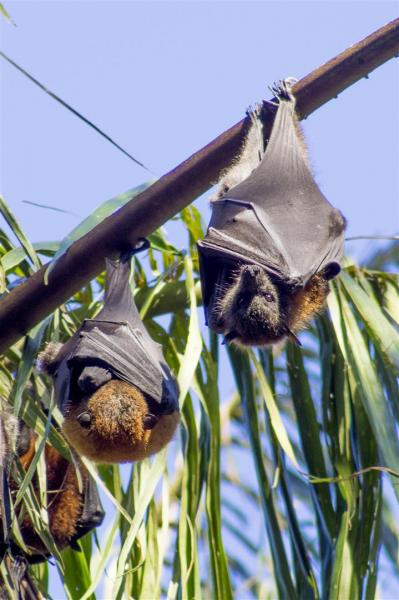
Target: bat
{"points": [[111, 381], [273, 241], [71, 512]]}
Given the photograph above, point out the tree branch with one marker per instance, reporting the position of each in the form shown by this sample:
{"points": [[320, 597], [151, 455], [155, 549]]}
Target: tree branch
{"points": [[32, 300]]}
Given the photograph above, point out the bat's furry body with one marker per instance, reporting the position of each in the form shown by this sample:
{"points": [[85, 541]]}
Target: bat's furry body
{"points": [[242, 165], [65, 502]]}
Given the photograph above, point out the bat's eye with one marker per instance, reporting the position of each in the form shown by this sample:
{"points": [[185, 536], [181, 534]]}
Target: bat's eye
{"points": [[150, 421], [269, 297], [84, 419]]}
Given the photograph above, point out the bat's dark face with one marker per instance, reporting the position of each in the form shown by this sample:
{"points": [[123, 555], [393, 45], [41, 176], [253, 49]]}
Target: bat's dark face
{"points": [[249, 311]]}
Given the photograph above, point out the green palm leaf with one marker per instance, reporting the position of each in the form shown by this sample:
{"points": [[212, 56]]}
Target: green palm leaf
{"points": [[181, 524]]}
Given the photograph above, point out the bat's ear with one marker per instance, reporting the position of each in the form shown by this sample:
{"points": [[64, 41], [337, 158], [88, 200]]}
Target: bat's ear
{"points": [[331, 270]]}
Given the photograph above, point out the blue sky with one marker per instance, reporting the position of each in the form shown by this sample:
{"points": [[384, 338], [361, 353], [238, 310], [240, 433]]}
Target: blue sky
{"points": [[163, 79]]}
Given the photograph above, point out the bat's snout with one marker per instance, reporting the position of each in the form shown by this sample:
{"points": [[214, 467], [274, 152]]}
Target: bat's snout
{"points": [[251, 275]]}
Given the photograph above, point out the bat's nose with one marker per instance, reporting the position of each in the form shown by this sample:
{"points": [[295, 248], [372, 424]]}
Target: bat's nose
{"points": [[250, 274]]}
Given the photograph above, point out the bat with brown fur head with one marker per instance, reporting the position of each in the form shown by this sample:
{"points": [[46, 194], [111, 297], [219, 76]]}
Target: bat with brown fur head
{"points": [[111, 381]]}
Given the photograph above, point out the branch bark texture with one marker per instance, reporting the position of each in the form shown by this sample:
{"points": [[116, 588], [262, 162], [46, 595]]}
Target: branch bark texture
{"points": [[31, 301]]}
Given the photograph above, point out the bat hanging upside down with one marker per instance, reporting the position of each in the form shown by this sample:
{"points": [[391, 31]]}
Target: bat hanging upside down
{"points": [[273, 242], [72, 512], [112, 384]]}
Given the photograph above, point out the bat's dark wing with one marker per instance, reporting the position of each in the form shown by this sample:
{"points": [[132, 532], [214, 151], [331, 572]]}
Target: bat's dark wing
{"points": [[277, 217], [92, 513], [114, 345]]}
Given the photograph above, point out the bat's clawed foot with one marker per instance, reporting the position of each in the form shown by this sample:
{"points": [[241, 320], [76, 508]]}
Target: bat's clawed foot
{"points": [[282, 89]]}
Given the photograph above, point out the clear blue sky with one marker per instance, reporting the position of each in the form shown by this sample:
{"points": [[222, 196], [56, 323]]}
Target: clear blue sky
{"points": [[165, 78]]}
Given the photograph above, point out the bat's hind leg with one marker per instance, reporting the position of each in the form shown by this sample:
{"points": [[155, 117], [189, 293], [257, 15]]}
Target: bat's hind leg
{"points": [[47, 356]]}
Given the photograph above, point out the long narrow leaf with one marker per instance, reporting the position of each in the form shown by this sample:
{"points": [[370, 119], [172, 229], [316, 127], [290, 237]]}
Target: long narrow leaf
{"points": [[309, 431], [146, 494], [194, 341], [243, 375], [20, 235], [365, 380], [380, 329], [277, 423], [208, 394], [72, 110], [15, 256]]}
